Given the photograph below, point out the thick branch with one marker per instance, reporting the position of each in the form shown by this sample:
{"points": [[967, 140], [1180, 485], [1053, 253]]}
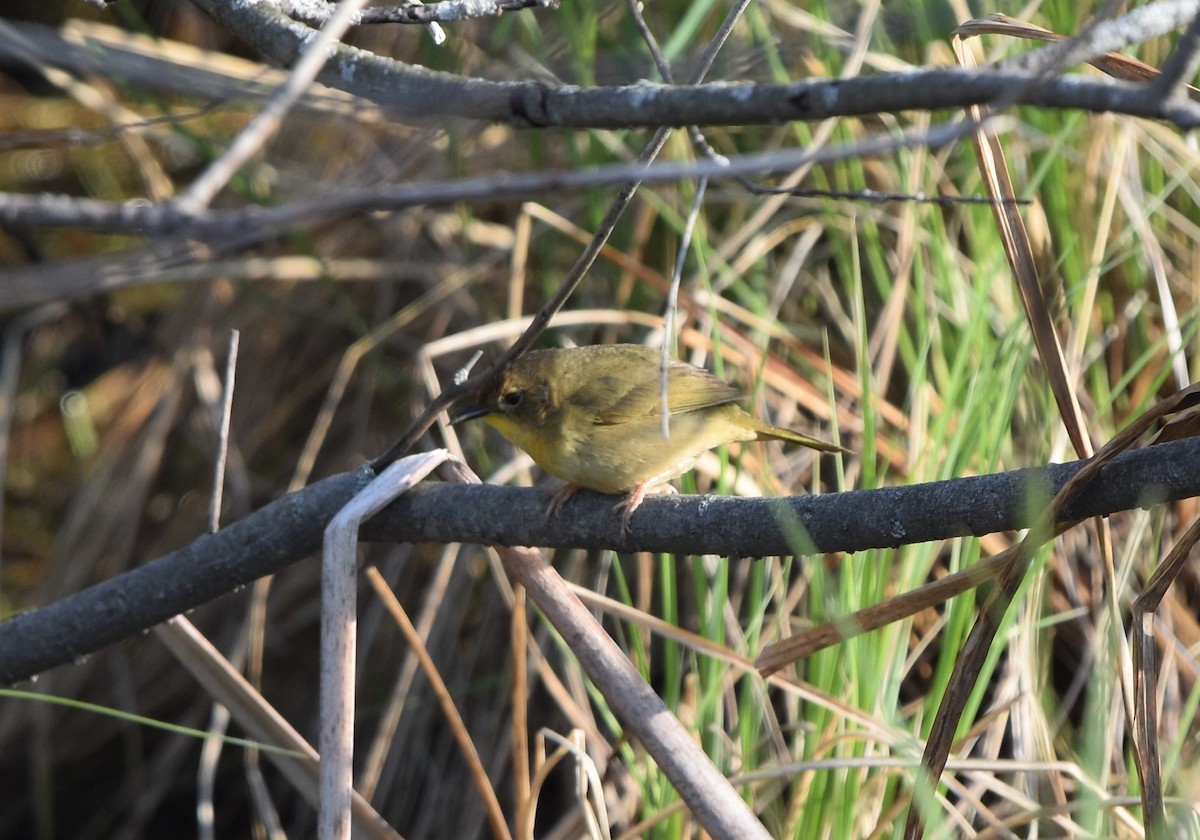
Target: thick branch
{"points": [[316, 12], [757, 527], [289, 529], [417, 92]]}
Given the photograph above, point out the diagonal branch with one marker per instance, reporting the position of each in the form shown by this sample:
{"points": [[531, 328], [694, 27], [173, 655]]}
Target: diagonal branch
{"points": [[289, 529]]}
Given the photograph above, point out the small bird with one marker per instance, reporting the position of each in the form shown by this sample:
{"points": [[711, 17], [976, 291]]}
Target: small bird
{"points": [[592, 416]]}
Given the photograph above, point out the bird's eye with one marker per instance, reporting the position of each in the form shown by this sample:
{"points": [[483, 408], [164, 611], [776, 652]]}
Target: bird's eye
{"points": [[512, 399]]}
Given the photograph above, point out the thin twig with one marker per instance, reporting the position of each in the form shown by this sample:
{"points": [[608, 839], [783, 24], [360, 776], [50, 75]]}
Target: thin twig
{"points": [[669, 337], [574, 276], [267, 121], [214, 510], [149, 218]]}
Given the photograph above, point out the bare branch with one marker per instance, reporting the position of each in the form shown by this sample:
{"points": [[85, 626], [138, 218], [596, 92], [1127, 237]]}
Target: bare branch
{"points": [[317, 12], [149, 218], [419, 92], [289, 529], [1181, 67], [425, 94]]}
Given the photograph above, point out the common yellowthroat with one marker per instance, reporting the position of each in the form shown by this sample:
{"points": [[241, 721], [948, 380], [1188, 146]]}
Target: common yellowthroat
{"points": [[592, 416]]}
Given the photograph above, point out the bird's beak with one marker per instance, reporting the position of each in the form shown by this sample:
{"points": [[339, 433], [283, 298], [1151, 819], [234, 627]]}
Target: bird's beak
{"points": [[472, 413]]}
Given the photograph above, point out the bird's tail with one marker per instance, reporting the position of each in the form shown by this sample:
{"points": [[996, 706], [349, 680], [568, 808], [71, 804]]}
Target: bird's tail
{"points": [[765, 431]]}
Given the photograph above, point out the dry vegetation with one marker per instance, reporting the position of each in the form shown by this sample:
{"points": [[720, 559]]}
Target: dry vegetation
{"points": [[896, 325]]}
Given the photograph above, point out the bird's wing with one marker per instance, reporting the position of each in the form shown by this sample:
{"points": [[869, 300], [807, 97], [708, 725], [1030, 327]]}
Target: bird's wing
{"points": [[688, 389]]}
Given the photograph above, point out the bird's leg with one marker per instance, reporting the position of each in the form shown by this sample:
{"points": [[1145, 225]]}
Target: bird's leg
{"points": [[558, 497], [630, 503]]}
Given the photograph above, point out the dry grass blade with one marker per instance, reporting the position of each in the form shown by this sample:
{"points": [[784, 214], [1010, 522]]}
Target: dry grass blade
{"points": [[1146, 692], [384, 738], [786, 651], [780, 654], [1114, 64], [478, 774], [519, 643], [975, 650], [339, 628], [260, 720], [712, 799], [1019, 251], [588, 786]]}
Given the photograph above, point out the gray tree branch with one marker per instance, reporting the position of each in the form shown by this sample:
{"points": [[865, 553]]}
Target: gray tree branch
{"points": [[290, 528], [317, 12]]}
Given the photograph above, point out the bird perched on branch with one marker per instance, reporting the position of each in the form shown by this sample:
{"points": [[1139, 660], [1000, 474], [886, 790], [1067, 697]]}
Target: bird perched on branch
{"points": [[592, 416]]}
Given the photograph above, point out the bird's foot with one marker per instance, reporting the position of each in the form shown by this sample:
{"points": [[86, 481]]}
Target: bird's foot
{"points": [[630, 503], [558, 497]]}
